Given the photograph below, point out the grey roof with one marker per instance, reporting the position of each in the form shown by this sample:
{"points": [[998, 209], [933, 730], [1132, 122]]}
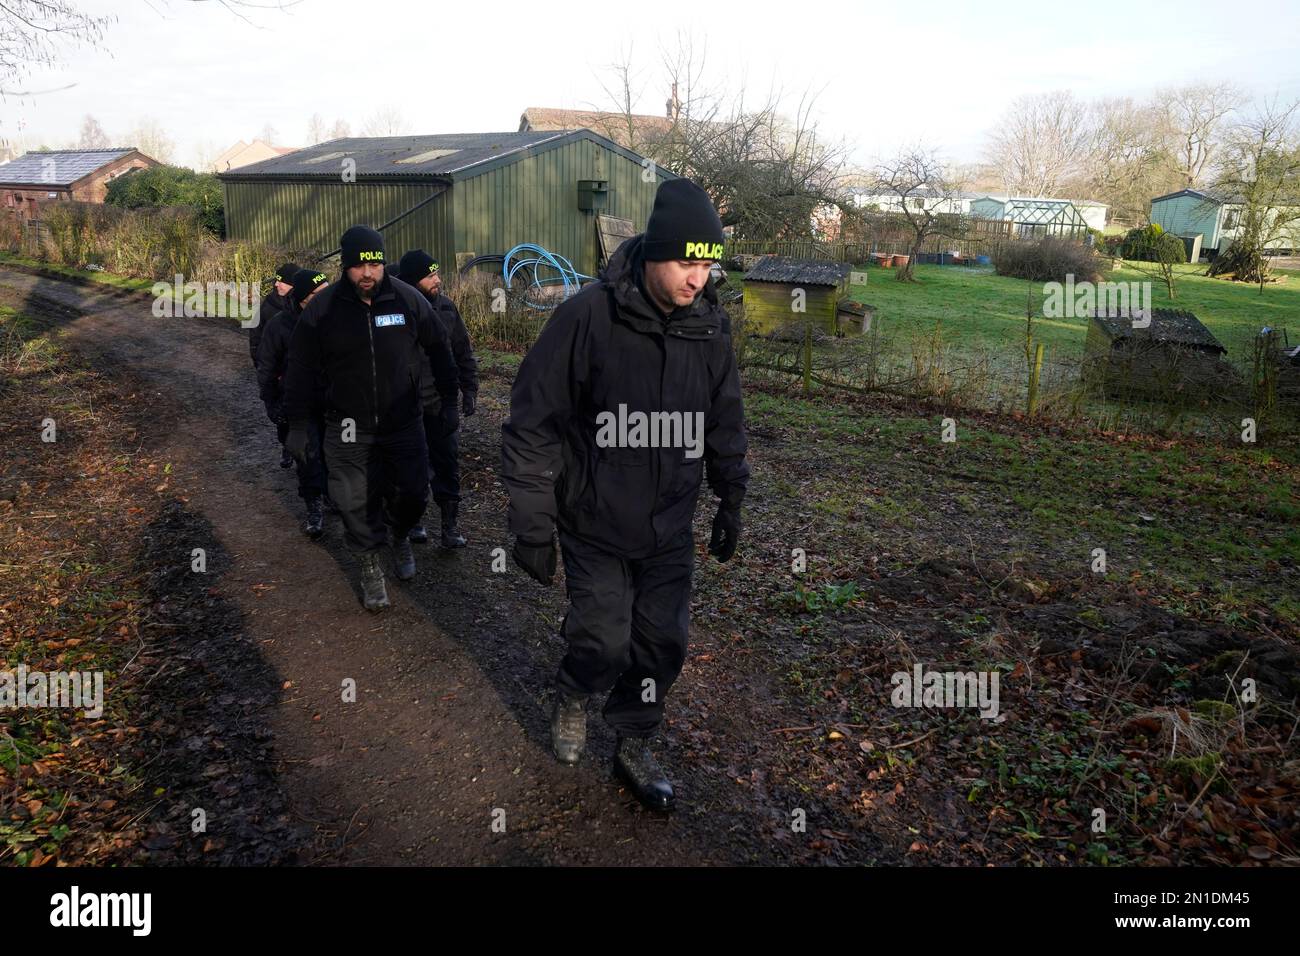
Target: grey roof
{"points": [[1208, 195], [1168, 326], [800, 271], [69, 166], [443, 156]]}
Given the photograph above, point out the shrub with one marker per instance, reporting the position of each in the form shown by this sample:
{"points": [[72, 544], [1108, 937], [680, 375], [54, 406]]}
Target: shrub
{"points": [[1049, 259], [160, 186], [1152, 244]]}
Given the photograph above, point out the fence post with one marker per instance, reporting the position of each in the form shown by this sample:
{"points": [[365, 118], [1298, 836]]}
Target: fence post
{"points": [[1034, 375], [807, 356]]}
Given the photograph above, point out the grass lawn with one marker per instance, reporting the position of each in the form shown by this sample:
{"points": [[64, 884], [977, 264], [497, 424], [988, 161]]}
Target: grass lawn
{"points": [[987, 310]]}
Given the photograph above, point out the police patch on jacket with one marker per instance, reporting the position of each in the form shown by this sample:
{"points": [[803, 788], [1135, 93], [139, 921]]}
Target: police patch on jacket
{"points": [[392, 318]]}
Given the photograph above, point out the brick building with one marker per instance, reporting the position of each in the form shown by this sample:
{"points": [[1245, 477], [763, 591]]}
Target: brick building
{"points": [[82, 175]]}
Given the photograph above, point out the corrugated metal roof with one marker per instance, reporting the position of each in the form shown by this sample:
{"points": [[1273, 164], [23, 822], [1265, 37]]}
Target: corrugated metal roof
{"points": [[1221, 197], [1168, 326], [439, 156], [69, 165], [800, 271]]}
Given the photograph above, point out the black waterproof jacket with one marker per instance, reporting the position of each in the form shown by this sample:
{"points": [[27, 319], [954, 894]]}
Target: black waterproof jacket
{"points": [[370, 355], [272, 303], [605, 347], [458, 335], [273, 360]]}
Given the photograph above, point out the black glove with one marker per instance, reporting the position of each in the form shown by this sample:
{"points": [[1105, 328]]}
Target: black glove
{"points": [[296, 443], [726, 530], [467, 404], [275, 412], [449, 417], [537, 559]]}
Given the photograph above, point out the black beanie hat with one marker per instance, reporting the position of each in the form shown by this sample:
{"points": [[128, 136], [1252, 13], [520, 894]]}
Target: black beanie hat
{"points": [[361, 244], [286, 272], [415, 265], [305, 283], [683, 224]]}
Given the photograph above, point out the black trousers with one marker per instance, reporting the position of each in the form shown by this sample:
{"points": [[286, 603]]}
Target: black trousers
{"points": [[444, 459], [312, 473], [626, 628], [373, 471], [312, 480]]}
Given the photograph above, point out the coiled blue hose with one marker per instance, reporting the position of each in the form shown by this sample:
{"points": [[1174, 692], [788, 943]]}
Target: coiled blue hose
{"points": [[565, 273]]}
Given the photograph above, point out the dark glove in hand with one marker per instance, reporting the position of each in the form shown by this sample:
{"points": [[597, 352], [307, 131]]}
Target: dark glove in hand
{"points": [[296, 442], [275, 412], [537, 559], [449, 417], [726, 531], [467, 404]]}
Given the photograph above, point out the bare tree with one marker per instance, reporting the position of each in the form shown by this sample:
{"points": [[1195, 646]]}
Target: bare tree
{"points": [[1127, 158], [767, 173], [1194, 118], [206, 153], [92, 134], [32, 31], [150, 138], [1260, 170], [269, 134], [1039, 143], [340, 130], [385, 121], [315, 129], [926, 196]]}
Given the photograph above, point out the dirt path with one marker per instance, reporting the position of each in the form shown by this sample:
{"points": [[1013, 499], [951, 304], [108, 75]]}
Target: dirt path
{"points": [[449, 722]]}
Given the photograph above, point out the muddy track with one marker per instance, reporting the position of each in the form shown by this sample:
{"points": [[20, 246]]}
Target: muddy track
{"points": [[449, 723]]}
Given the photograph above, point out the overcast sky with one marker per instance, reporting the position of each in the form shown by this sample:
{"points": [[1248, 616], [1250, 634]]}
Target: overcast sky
{"points": [[886, 74]]}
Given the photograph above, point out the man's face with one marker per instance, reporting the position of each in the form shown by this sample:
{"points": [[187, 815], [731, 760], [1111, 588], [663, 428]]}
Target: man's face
{"points": [[303, 305], [431, 284], [676, 281], [366, 277], [282, 288]]}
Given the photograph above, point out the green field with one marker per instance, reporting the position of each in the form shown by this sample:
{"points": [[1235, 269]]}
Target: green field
{"points": [[979, 308]]}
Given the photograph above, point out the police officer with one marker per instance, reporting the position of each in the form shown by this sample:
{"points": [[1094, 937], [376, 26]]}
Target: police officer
{"points": [[419, 269], [367, 334], [272, 363], [629, 398], [274, 301]]}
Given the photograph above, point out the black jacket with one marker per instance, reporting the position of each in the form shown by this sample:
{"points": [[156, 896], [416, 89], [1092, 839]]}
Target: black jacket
{"points": [[370, 355], [273, 360], [271, 304], [458, 335], [605, 347]]}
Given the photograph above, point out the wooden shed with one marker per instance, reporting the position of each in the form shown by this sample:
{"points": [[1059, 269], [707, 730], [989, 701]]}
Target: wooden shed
{"points": [[1175, 356], [450, 194], [776, 286]]}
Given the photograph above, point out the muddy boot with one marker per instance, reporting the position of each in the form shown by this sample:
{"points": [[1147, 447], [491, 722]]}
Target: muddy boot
{"points": [[634, 762], [315, 525], [568, 727], [418, 535], [373, 592], [403, 556], [451, 538]]}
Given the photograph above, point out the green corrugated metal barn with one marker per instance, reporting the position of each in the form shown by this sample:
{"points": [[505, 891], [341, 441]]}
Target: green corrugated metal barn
{"points": [[474, 193]]}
